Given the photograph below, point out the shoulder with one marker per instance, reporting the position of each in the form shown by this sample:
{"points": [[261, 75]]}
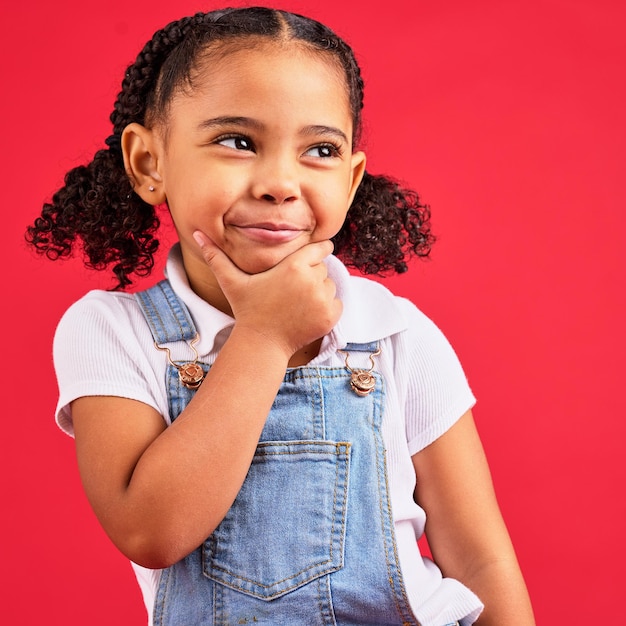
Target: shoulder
{"points": [[421, 333], [370, 304], [100, 320], [420, 351], [103, 346], [100, 324], [437, 391], [370, 311], [98, 304], [417, 358], [104, 315]]}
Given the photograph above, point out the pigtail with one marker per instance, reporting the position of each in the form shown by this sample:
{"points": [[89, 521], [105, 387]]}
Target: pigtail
{"points": [[96, 209], [385, 226]]}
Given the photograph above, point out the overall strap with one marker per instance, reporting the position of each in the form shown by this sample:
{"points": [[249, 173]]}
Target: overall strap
{"points": [[371, 346], [167, 316]]}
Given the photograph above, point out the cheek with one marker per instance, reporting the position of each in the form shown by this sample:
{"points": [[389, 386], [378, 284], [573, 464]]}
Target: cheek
{"points": [[341, 200], [332, 214]]}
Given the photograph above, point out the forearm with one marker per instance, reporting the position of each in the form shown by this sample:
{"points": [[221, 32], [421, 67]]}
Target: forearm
{"points": [[465, 529], [501, 587], [187, 478]]}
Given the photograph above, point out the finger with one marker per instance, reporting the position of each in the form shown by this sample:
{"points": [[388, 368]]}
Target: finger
{"points": [[221, 265], [314, 253]]}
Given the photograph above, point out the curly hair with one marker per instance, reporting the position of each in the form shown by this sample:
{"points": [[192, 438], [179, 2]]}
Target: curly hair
{"points": [[98, 210]]}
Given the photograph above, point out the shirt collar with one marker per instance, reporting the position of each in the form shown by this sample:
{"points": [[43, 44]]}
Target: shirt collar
{"points": [[370, 311]]}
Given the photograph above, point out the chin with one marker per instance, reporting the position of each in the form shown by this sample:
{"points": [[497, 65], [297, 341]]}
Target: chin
{"points": [[256, 261], [256, 266]]}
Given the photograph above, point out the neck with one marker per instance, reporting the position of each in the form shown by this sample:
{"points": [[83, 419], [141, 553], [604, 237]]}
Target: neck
{"points": [[203, 283]]}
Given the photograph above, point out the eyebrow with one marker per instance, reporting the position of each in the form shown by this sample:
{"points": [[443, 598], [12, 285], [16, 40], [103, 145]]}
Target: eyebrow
{"points": [[248, 122], [226, 120], [330, 131]]}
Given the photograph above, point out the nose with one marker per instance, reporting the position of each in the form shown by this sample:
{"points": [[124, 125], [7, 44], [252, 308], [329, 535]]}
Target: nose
{"points": [[277, 180]]}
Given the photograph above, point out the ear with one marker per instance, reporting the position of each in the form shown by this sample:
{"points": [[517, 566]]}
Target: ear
{"points": [[357, 173], [140, 148]]}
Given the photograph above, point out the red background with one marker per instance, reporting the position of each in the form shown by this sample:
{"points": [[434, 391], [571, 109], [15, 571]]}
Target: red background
{"points": [[508, 118]]}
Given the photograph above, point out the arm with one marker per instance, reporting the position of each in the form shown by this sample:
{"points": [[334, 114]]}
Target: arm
{"points": [[159, 492], [464, 526]]}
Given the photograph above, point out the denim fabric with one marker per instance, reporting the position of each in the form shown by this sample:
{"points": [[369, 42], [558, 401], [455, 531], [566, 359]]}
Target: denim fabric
{"points": [[309, 539]]}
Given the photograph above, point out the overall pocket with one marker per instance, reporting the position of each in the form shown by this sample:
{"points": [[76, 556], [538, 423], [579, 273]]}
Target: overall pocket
{"points": [[287, 524]]}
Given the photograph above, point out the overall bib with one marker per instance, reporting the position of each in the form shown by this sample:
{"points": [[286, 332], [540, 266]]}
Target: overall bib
{"points": [[309, 539]]}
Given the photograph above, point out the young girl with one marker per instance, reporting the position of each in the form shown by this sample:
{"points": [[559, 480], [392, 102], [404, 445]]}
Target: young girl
{"points": [[249, 431]]}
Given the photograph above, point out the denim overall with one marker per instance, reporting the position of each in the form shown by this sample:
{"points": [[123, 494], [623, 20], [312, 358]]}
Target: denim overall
{"points": [[309, 539]]}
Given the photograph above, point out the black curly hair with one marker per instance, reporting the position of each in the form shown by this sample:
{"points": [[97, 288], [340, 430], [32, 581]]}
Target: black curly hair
{"points": [[386, 223]]}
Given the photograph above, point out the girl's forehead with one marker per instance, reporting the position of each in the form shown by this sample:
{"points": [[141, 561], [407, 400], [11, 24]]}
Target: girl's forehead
{"points": [[240, 75], [235, 61]]}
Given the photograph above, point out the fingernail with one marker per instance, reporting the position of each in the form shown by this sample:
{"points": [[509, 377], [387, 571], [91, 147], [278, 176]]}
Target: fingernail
{"points": [[199, 238]]}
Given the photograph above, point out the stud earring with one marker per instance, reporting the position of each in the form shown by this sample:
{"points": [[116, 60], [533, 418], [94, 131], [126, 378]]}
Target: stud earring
{"points": [[151, 188]]}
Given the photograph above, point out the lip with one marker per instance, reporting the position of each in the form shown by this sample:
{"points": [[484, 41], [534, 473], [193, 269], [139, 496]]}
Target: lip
{"points": [[268, 232]]}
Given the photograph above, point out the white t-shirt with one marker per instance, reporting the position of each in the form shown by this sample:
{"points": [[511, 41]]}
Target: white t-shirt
{"points": [[103, 346]]}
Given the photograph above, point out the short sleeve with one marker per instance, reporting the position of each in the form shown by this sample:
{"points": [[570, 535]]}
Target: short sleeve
{"points": [[437, 389], [97, 353]]}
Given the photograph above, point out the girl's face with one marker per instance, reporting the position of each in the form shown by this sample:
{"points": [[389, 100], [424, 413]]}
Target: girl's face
{"points": [[258, 156]]}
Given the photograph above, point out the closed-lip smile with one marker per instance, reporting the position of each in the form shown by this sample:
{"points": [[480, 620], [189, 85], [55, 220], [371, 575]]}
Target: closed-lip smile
{"points": [[269, 232]]}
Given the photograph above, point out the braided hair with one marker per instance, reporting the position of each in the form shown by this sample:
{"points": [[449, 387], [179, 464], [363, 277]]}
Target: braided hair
{"points": [[98, 208]]}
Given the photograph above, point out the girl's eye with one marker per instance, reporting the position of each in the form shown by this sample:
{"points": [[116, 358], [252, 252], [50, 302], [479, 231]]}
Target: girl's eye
{"points": [[237, 142], [324, 151]]}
